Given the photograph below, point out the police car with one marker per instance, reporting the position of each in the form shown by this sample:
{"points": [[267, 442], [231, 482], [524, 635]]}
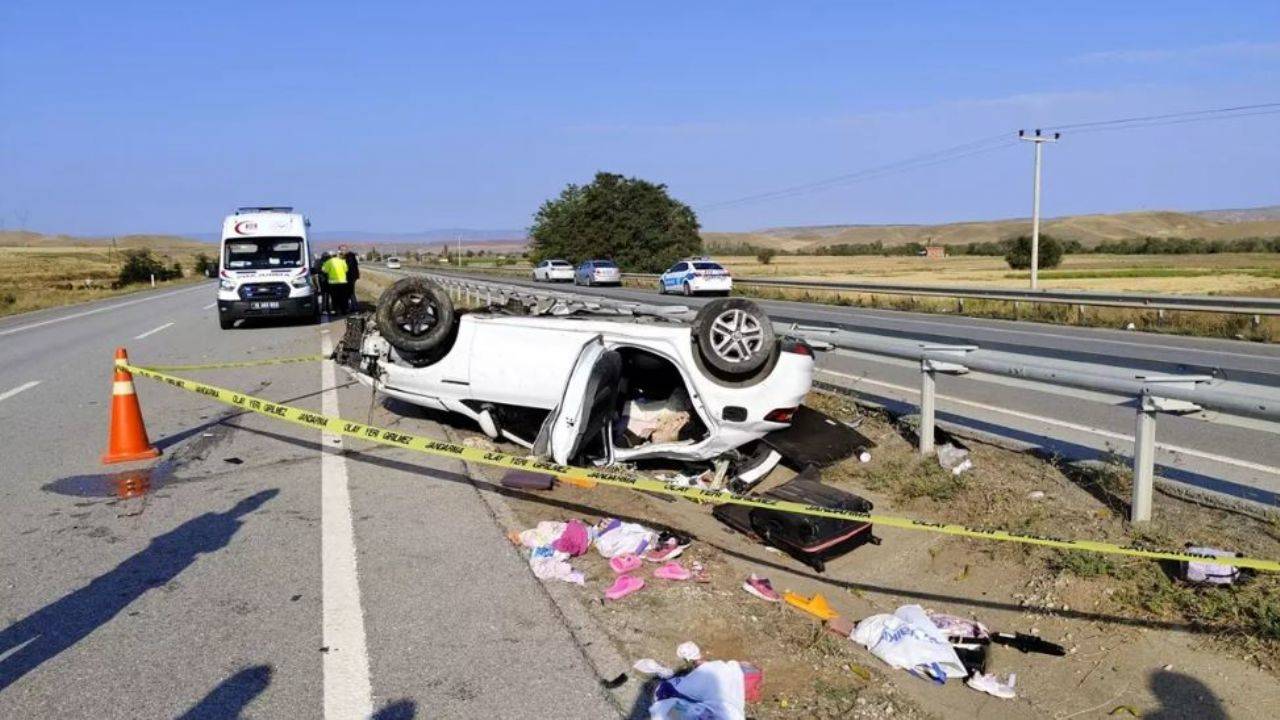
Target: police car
{"points": [[695, 275]]}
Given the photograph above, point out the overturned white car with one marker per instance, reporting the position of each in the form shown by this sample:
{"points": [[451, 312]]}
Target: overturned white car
{"points": [[588, 386]]}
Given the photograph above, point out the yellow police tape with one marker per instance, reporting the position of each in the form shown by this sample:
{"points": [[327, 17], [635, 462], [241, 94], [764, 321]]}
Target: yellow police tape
{"points": [[587, 477], [240, 363]]}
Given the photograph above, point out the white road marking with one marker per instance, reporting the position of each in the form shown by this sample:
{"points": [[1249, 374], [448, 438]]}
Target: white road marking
{"points": [[347, 691], [1069, 425], [210, 306], [42, 323], [153, 331], [25, 386]]}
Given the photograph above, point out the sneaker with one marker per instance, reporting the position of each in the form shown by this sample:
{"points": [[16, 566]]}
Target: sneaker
{"points": [[761, 588], [665, 552]]}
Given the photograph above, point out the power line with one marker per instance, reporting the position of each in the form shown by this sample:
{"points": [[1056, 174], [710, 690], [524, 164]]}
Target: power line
{"points": [[992, 143]]}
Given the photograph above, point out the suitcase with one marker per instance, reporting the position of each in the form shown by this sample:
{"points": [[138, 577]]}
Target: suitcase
{"points": [[811, 540]]}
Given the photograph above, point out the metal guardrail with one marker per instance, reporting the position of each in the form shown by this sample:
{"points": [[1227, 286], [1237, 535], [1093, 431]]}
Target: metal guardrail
{"points": [[1152, 394], [1235, 305]]}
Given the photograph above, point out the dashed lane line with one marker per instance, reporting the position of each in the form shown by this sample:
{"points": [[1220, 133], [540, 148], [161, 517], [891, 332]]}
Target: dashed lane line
{"points": [[25, 386], [153, 331]]}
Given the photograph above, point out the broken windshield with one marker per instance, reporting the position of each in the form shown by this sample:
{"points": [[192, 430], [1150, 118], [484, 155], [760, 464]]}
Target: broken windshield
{"points": [[268, 253]]}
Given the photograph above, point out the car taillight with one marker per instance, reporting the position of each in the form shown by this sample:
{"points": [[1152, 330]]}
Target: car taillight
{"points": [[797, 346], [781, 415]]}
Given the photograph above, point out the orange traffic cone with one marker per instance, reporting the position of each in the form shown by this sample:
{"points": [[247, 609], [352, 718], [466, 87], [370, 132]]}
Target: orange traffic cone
{"points": [[127, 435]]}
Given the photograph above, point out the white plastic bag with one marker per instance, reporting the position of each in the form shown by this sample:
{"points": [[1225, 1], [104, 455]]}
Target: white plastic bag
{"points": [[908, 640]]}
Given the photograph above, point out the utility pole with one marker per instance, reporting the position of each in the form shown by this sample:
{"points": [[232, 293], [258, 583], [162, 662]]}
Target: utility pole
{"points": [[1039, 140]]}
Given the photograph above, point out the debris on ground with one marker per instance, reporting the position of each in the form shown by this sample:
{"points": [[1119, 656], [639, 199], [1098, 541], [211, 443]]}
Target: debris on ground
{"points": [[761, 588], [954, 458], [525, 480], [656, 421], [715, 690], [909, 640], [816, 606], [1208, 573]]}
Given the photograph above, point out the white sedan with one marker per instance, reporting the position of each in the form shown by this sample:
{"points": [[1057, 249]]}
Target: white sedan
{"points": [[553, 271], [585, 387], [695, 275]]}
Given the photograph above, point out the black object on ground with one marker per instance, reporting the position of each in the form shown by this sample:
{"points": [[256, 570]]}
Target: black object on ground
{"points": [[1028, 643], [815, 438], [525, 480], [811, 540], [232, 460]]}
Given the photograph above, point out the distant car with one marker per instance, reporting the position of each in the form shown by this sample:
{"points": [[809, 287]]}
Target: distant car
{"points": [[393, 263], [553, 271], [585, 387], [598, 272], [696, 275]]}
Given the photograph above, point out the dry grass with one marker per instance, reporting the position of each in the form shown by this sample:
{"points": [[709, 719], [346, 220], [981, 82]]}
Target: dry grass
{"points": [[36, 277]]}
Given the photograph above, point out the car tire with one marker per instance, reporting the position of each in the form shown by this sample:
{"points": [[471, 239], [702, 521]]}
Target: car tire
{"points": [[415, 315], [688, 290], [662, 288], [226, 322], [734, 336]]}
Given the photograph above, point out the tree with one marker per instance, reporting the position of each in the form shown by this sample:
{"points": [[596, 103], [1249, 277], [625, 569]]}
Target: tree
{"points": [[1018, 254], [766, 255], [630, 221], [140, 266], [205, 265]]}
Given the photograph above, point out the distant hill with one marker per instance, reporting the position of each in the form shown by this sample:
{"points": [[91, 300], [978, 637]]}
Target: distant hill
{"points": [[26, 238], [1089, 230]]}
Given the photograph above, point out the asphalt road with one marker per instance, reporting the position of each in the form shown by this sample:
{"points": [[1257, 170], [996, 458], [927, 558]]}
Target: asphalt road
{"points": [[1205, 453], [267, 571]]}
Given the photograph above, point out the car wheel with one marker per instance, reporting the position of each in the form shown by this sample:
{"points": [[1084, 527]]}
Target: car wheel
{"points": [[734, 336], [688, 291], [662, 288], [226, 322], [415, 315]]}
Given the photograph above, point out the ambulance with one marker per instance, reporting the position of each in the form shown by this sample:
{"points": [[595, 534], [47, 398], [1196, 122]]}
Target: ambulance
{"points": [[264, 267]]}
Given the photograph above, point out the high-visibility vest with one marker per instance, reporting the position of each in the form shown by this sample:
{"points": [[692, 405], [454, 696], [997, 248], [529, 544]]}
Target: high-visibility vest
{"points": [[336, 270]]}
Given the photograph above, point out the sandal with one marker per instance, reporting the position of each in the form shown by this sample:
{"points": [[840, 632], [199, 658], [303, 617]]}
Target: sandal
{"points": [[625, 563], [623, 586], [672, 571]]}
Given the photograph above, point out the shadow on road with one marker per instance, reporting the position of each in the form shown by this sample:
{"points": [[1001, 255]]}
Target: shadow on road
{"points": [[45, 633], [1183, 697], [399, 710], [231, 696]]}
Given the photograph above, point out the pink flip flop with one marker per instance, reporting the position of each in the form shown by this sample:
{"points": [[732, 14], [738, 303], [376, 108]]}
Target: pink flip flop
{"points": [[672, 571], [625, 563], [623, 586]]}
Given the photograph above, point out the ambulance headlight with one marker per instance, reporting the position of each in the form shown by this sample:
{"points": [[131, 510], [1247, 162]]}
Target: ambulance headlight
{"points": [[300, 282], [226, 285]]}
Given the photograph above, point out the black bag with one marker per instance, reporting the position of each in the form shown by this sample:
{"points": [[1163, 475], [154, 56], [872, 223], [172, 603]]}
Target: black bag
{"points": [[809, 539]]}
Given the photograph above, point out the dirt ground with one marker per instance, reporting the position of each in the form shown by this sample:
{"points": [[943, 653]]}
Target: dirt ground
{"points": [[1224, 273], [1138, 643]]}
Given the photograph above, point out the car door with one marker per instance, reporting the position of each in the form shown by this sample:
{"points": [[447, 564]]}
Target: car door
{"points": [[673, 276], [586, 407]]}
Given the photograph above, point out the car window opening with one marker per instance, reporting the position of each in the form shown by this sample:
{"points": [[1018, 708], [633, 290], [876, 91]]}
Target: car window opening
{"points": [[653, 403]]}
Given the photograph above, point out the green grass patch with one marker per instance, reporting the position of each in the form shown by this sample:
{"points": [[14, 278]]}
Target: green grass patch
{"points": [[1144, 273]]}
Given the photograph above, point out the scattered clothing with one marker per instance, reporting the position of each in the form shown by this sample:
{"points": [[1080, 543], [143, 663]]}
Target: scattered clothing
{"points": [[575, 540], [712, 691], [909, 640], [552, 568], [649, 666], [658, 421], [623, 586], [672, 571], [761, 588], [614, 537], [956, 626], [954, 458], [545, 533], [991, 685], [816, 606]]}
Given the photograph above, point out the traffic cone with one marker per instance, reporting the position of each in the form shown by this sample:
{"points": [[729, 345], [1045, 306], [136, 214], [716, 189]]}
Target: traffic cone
{"points": [[127, 435]]}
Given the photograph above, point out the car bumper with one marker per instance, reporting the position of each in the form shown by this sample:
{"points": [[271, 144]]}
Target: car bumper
{"points": [[560, 276], [607, 280], [711, 284], [286, 307]]}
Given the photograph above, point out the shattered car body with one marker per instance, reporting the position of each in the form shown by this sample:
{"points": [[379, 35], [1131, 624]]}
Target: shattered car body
{"points": [[584, 386]]}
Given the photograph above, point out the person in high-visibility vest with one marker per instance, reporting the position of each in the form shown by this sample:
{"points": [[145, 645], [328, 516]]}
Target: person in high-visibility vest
{"points": [[335, 268]]}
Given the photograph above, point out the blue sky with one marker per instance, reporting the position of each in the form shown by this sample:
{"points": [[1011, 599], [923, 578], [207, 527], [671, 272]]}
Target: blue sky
{"points": [[131, 117]]}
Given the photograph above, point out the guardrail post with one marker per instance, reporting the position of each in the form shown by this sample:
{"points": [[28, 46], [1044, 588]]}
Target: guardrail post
{"points": [[929, 385], [1144, 460]]}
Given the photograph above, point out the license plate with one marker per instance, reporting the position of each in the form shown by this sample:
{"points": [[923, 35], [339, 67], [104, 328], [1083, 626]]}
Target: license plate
{"points": [[266, 306]]}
